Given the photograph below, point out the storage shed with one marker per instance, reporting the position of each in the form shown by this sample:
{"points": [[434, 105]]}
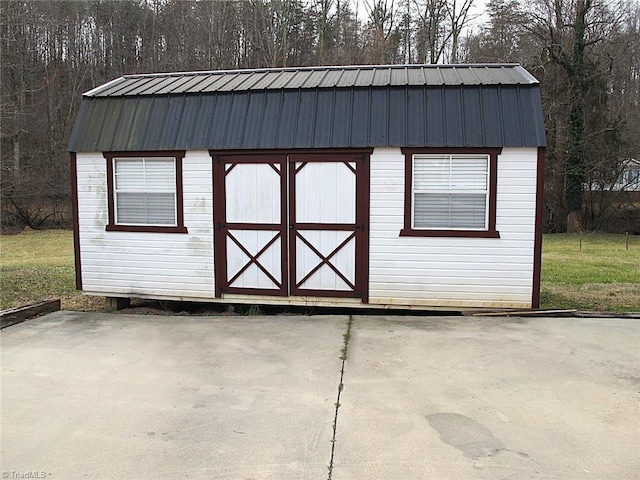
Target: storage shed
{"points": [[405, 186]]}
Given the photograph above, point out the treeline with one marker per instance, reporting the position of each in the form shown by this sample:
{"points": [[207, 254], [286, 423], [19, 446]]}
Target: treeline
{"points": [[586, 53]]}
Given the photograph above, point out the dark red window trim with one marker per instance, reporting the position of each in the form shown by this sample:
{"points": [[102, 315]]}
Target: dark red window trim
{"points": [[408, 231], [112, 226]]}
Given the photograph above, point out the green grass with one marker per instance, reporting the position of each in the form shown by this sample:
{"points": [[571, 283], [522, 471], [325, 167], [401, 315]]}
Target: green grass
{"points": [[37, 248], [36, 265], [602, 275]]}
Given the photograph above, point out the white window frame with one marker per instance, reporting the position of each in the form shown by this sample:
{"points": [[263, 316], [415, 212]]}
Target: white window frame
{"points": [[449, 190], [144, 190]]}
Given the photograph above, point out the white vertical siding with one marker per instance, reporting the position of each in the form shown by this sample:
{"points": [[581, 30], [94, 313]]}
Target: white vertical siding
{"points": [[169, 265], [447, 271]]}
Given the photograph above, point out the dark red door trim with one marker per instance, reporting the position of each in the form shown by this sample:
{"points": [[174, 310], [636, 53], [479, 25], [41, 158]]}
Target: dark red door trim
{"points": [[222, 228], [359, 289], [289, 227]]}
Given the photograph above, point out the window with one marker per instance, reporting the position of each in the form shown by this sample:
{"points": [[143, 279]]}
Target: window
{"points": [[145, 192], [450, 192], [628, 180], [632, 177]]}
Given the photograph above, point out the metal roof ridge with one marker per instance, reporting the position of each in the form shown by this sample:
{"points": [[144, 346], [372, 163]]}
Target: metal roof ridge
{"points": [[525, 73], [322, 67], [301, 77], [93, 91]]}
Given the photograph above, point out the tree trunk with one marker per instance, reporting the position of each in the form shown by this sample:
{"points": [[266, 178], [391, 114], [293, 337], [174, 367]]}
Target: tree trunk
{"points": [[16, 158], [575, 222], [575, 169]]}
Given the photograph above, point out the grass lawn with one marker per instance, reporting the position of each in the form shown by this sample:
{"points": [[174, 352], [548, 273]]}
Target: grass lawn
{"points": [[38, 265], [602, 276]]}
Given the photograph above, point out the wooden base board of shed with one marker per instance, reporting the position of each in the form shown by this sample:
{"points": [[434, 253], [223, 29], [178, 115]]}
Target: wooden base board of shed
{"points": [[116, 302]]}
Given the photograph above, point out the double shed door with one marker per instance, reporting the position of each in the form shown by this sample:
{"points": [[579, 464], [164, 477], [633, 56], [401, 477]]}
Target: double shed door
{"points": [[291, 225]]}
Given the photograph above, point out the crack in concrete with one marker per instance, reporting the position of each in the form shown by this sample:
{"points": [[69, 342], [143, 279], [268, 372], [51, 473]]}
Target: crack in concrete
{"points": [[345, 349]]}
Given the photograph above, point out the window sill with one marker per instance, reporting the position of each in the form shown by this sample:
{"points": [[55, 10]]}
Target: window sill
{"points": [[405, 232], [145, 228]]}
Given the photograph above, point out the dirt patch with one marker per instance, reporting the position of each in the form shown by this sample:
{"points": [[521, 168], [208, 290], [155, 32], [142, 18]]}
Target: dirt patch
{"points": [[141, 306], [83, 303]]}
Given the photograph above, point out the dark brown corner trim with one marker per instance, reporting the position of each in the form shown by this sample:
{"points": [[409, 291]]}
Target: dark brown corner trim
{"points": [[112, 226], [73, 174], [537, 245], [491, 232]]}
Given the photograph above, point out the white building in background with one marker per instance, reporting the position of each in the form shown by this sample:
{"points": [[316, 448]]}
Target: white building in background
{"points": [[629, 178]]}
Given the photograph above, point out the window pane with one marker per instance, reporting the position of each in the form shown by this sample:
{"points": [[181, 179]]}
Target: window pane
{"points": [[159, 174], [161, 208], [469, 173], [130, 208], [450, 172], [431, 173], [446, 210], [146, 208], [468, 211], [129, 174], [431, 210]]}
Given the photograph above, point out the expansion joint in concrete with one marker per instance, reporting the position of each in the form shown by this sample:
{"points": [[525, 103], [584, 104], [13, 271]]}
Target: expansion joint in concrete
{"points": [[343, 357]]}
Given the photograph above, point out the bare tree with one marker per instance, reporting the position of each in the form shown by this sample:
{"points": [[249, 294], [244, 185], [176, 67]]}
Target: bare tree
{"points": [[440, 24], [586, 53], [568, 31], [502, 38], [459, 16], [381, 31]]}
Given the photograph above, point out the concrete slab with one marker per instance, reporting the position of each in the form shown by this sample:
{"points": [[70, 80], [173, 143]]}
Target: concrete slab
{"points": [[126, 396], [467, 398], [119, 396]]}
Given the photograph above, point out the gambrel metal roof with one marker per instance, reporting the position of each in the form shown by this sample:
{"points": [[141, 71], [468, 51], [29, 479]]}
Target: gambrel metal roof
{"points": [[314, 107], [314, 77]]}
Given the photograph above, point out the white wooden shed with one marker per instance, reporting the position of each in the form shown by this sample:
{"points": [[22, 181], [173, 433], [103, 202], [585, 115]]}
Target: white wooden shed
{"points": [[413, 186]]}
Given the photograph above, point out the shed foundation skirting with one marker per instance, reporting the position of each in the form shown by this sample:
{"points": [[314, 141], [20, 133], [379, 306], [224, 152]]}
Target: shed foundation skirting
{"points": [[123, 301]]}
